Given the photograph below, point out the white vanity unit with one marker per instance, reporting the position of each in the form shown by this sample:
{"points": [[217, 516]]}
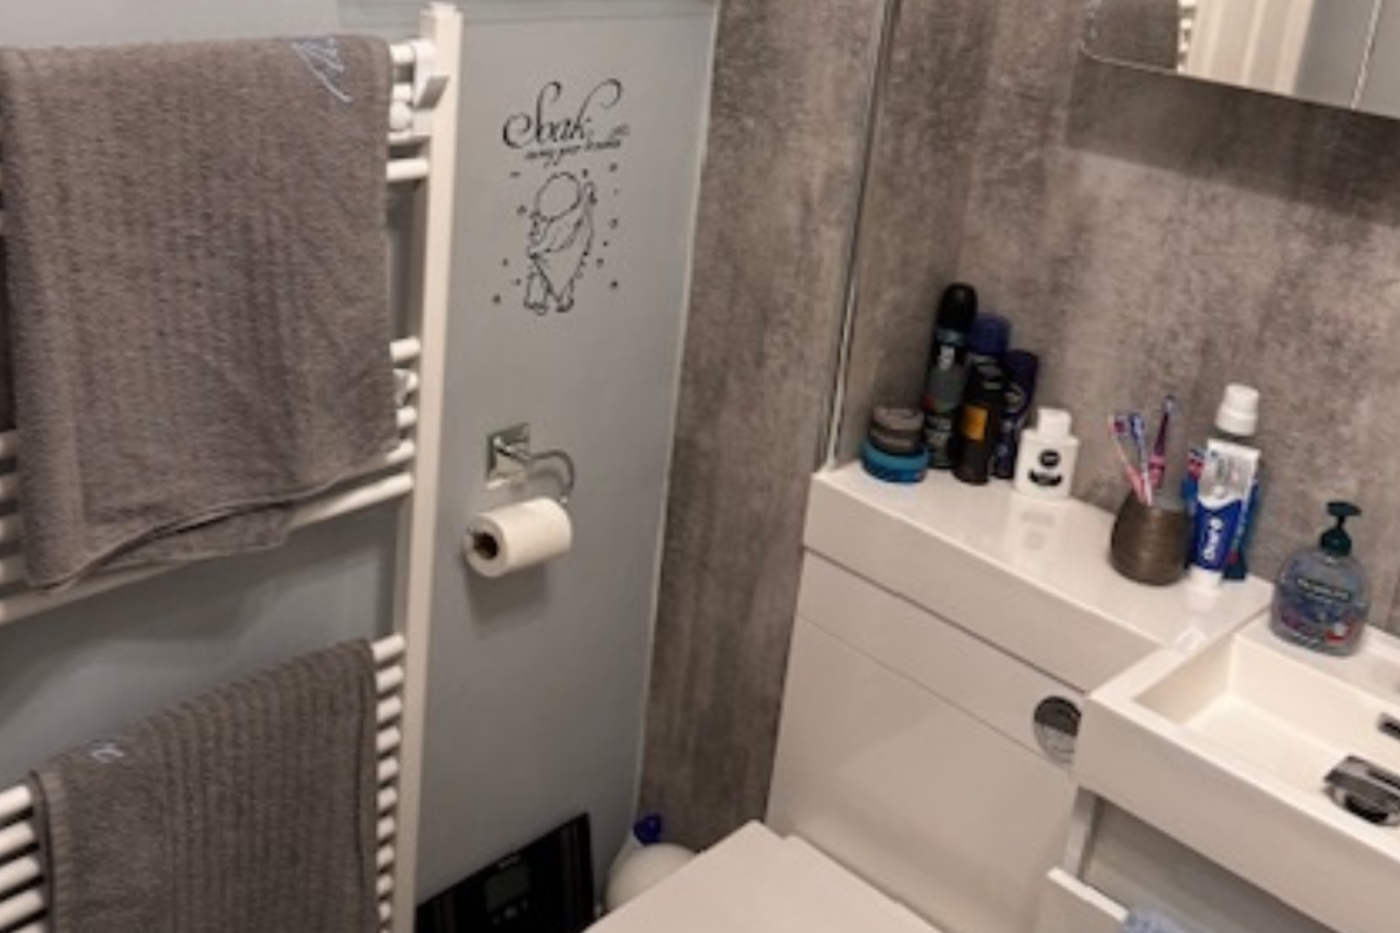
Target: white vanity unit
{"points": [[946, 637], [1234, 754], [934, 774]]}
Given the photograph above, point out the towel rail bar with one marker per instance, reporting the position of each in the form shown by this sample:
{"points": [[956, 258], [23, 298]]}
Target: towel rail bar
{"points": [[20, 836], [388, 678], [404, 350], [23, 906], [22, 897], [12, 527], [12, 568], [403, 53], [20, 871], [389, 740], [396, 171], [26, 603], [23, 603], [12, 802]]}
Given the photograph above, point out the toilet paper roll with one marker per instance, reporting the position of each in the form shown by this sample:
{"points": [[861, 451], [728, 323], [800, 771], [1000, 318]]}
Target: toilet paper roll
{"points": [[517, 536]]}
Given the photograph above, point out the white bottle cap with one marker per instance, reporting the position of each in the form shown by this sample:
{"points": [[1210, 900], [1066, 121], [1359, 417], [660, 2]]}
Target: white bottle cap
{"points": [[1238, 413], [1053, 423]]}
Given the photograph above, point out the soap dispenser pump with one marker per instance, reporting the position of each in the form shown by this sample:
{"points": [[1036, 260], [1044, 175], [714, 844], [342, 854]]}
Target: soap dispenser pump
{"points": [[1321, 599]]}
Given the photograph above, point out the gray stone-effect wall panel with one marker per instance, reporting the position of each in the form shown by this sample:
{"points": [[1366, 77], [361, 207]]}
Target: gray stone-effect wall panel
{"points": [[776, 205], [1150, 234], [924, 148], [1145, 234]]}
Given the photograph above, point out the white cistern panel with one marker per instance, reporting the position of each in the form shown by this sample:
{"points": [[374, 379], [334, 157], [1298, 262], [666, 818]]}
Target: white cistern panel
{"points": [[907, 753]]}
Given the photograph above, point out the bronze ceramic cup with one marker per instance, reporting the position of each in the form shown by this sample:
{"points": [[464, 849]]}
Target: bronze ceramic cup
{"points": [[1149, 543]]}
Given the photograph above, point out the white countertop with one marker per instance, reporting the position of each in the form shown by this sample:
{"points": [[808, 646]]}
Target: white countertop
{"points": [[1032, 577]]}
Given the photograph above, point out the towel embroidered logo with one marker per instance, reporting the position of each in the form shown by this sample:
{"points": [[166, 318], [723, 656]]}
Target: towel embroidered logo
{"points": [[105, 751], [322, 58]]}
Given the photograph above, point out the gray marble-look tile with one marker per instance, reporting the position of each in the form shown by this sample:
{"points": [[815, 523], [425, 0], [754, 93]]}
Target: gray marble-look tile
{"points": [[909, 246], [1151, 234], [776, 206]]}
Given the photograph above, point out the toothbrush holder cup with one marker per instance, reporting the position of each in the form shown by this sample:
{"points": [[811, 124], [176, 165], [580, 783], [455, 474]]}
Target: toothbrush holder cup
{"points": [[1149, 542]]}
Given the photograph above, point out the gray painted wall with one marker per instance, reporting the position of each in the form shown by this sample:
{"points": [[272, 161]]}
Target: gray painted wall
{"points": [[84, 670], [1144, 233], [538, 681]]}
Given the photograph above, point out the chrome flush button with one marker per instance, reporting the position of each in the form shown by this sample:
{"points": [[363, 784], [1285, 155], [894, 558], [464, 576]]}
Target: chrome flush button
{"points": [[1056, 721]]}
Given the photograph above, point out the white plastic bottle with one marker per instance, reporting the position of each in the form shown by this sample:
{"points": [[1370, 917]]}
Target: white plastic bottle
{"points": [[1048, 454], [643, 861]]}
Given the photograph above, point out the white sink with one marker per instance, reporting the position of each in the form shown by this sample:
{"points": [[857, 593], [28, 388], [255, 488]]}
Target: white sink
{"points": [[1226, 749]]}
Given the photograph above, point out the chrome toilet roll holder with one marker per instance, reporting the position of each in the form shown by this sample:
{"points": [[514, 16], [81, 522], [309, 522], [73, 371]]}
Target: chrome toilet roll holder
{"points": [[509, 459]]}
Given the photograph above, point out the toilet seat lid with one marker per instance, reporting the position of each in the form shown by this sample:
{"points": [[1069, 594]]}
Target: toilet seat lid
{"points": [[755, 881]]}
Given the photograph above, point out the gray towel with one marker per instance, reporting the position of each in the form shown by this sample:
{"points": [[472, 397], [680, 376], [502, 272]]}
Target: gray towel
{"points": [[198, 290], [248, 810]]}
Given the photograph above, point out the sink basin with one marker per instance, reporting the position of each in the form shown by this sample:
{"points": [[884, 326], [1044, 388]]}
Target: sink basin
{"points": [[1287, 711], [1227, 750]]}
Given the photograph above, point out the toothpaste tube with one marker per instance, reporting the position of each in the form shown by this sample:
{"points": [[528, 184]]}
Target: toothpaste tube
{"points": [[1222, 505]]}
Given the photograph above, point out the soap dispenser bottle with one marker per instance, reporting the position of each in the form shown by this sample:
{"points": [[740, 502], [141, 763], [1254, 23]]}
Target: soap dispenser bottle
{"points": [[1321, 599]]}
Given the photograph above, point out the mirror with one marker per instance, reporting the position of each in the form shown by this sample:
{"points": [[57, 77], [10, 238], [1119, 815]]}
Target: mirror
{"points": [[1345, 53]]}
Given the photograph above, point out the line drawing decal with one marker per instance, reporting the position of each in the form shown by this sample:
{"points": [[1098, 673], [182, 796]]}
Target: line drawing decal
{"points": [[560, 241], [565, 169]]}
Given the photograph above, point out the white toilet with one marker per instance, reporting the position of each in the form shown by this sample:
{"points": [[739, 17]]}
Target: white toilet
{"points": [[921, 778]]}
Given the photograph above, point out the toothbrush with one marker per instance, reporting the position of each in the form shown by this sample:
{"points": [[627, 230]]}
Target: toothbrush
{"points": [[1118, 428], [1157, 463], [1137, 427]]}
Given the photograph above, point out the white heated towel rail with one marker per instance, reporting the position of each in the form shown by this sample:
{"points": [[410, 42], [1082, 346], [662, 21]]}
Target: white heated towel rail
{"points": [[422, 137], [22, 896]]}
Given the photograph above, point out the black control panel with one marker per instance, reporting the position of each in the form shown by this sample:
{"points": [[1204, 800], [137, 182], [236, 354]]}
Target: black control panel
{"points": [[546, 887]]}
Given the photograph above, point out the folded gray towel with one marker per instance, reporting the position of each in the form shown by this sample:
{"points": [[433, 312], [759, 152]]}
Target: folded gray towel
{"points": [[248, 810], [198, 290]]}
